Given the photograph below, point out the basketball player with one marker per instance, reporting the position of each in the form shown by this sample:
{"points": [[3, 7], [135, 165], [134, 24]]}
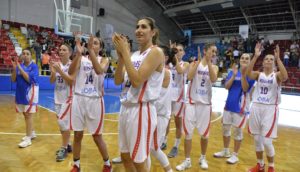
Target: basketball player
{"points": [[264, 111], [87, 103], [163, 108], [179, 72], [27, 92], [236, 108], [198, 109], [143, 80], [62, 97]]}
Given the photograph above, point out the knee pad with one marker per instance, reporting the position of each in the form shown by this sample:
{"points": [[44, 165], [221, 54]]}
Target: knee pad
{"points": [[259, 145], [188, 137], [238, 133], [206, 137], [270, 151], [226, 130], [62, 125], [161, 157]]}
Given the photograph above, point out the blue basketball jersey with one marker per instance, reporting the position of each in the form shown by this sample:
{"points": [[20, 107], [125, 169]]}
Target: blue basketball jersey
{"points": [[27, 92], [235, 94]]}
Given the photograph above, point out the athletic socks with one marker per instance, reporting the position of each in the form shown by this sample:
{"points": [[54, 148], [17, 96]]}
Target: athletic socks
{"points": [[77, 162], [177, 142]]}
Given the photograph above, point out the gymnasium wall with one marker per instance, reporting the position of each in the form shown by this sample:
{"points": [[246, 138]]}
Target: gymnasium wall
{"points": [[266, 36], [42, 12]]}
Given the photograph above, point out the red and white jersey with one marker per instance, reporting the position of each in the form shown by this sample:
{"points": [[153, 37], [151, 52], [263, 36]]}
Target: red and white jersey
{"points": [[200, 88], [149, 90], [88, 83], [62, 90], [267, 90], [178, 82], [163, 104]]}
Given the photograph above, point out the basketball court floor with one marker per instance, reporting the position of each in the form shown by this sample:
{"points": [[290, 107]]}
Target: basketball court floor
{"points": [[40, 156]]}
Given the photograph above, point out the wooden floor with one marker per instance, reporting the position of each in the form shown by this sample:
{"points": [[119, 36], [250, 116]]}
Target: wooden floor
{"points": [[40, 156]]}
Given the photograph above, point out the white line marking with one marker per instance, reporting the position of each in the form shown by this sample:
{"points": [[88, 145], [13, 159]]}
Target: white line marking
{"points": [[49, 134]]}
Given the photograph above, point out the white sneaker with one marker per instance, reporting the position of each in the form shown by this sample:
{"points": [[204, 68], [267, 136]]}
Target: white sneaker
{"points": [[184, 165], [25, 143], [33, 136], [117, 160], [232, 160], [222, 154], [203, 163]]}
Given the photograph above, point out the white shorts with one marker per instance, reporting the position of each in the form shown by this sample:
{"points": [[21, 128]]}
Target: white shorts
{"points": [[198, 116], [177, 108], [63, 112], [89, 112], [263, 120], [26, 108], [137, 125], [162, 124], [235, 119]]}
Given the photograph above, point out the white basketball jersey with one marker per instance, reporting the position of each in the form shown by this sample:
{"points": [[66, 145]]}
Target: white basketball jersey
{"points": [[200, 88], [88, 83], [149, 90], [178, 82], [62, 90], [163, 104], [267, 90]]}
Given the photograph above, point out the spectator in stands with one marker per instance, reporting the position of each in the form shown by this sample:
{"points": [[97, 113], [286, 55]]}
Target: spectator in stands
{"points": [[286, 58], [27, 89], [45, 63], [293, 49], [236, 55], [228, 55], [38, 51]]}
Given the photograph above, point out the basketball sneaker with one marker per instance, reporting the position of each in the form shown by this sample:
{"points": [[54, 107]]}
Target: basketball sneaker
{"points": [[75, 168], [33, 136], [184, 165], [222, 154], [69, 148], [61, 154], [203, 163], [25, 143], [163, 146], [257, 168], [117, 160], [233, 159], [107, 168], [271, 169], [173, 153]]}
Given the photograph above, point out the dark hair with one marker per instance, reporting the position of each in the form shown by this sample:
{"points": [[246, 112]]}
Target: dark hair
{"points": [[208, 45], [28, 49], [153, 27], [102, 51], [170, 52], [69, 47]]}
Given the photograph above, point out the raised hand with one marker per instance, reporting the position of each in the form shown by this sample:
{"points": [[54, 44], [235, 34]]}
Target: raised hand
{"points": [[90, 43], [56, 66], [234, 69], [199, 53], [244, 69], [120, 43], [14, 62], [51, 67], [277, 52], [258, 49]]}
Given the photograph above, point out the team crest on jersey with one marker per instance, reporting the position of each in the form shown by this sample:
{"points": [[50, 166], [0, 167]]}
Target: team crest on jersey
{"points": [[137, 64]]}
